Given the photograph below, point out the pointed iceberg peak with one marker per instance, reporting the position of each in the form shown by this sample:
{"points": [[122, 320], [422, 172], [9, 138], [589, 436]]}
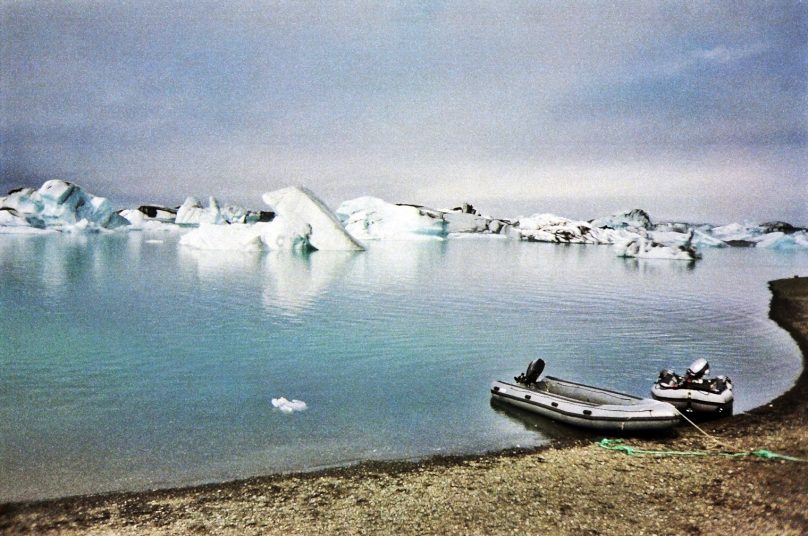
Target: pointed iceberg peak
{"points": [[297, 204]]}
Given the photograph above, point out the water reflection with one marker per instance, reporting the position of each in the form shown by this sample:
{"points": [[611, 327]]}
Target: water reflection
{"points": [[657, 266], [291, 281], [548, 428]]}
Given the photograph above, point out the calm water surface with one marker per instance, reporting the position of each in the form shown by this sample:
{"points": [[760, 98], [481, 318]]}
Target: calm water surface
{"points": [[130, 362]]}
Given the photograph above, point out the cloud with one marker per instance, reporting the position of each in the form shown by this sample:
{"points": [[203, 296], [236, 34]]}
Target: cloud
{"points": [[161, 100]]}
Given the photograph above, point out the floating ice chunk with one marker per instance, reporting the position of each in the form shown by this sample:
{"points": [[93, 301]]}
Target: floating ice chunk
{"points": [[192, 212], [163, 221], [262, 236], [12, 222], [235, 237], [644, 248], [674, 238], [629, 219], [552, 228], [59, 204], [371, 218], [299, 207], [12, 218], [149, 213], [285, 233], [779, 240], [289, 406]]}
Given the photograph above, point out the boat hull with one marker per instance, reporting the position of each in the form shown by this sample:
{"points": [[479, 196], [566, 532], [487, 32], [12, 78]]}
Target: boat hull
{"points": [[587, 407], [695, 401]]}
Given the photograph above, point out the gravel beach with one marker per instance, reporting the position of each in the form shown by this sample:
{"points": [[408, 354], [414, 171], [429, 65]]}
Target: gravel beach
{"points": [[573, 486]]}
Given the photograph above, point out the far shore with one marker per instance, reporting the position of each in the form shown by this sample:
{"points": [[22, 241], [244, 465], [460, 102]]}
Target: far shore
{"points": [[571, 487]]}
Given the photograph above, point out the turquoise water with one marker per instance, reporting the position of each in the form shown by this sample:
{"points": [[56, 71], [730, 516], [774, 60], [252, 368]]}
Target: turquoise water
{"points": [[130, 362]]}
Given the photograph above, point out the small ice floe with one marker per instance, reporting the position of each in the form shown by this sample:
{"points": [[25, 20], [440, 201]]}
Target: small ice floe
{"points": [[644, 248], [289, 406]]}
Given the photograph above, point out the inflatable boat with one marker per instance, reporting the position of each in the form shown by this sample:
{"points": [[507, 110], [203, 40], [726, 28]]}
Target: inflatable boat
{"points": [[583, 405], [695, 393]]}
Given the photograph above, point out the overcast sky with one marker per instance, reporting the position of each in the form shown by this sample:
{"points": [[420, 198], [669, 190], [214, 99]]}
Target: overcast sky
{"points": [[691, 110]]}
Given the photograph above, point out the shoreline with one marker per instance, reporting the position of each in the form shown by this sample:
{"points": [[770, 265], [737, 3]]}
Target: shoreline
{"points": [[540, 488]]}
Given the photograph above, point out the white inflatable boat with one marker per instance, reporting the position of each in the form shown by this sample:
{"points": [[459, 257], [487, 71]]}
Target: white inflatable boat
{"points": [[695, 393], [583, 405]]}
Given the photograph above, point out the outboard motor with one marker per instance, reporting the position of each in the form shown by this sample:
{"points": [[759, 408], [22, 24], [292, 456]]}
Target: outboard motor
{"points": [[698, 368], [534, 370]]}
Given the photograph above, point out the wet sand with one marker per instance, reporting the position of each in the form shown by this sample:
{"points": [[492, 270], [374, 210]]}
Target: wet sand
{"points": [[571, 487]]}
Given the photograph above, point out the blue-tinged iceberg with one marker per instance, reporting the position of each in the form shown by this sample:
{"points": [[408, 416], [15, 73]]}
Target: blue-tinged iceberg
{"points": [[58, 205], [301, 222], [775, 235]]}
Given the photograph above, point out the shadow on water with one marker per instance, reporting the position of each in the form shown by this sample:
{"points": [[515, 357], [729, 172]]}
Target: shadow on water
{"points": [[555, 430], [536, 423]]}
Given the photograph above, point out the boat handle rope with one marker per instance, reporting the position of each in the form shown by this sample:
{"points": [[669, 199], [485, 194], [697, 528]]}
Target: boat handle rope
{"points": [[617, 445], [730, 452]]}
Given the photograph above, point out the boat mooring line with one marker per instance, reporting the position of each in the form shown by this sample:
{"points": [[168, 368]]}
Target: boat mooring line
{"points": [[617, 445]]}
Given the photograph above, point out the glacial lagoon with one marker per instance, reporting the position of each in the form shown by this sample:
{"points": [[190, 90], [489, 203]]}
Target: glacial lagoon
{"points": [[130, 362]]}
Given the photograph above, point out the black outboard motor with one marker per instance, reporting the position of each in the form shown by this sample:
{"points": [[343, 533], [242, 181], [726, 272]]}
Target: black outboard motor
{"points": [[534, 370], [698, 369]]}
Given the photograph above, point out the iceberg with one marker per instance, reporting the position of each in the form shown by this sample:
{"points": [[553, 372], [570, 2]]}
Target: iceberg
{"points": [[300, 222], [781, 240], [371, 218], [289, 406], [280, 234], [191, 212], [644, 248], [466, 219], [300, 207], [59, 205], [630, 219], [552, 228], [149, 213], [679, 238], [777, 235]]}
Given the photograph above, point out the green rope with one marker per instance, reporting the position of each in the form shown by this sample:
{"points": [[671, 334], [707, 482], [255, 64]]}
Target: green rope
{"points": [[617, 445]]}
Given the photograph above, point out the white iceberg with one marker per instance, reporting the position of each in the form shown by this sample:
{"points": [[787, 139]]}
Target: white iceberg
{"points": [[191, 212], [300, 207], [59, 205], [371, 218], [301, 222], [644, 248], [552, 228], [289, 406], [280, 234]]}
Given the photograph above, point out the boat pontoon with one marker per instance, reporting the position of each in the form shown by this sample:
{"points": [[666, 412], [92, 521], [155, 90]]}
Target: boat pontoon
{"points": [[583, 405], [695, 393]]}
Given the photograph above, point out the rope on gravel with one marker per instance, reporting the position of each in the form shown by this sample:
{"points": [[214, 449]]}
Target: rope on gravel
{"points": [[617, 445]]}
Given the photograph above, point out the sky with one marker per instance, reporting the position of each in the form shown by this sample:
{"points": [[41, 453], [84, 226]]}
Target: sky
{"points": [[694, 111]]}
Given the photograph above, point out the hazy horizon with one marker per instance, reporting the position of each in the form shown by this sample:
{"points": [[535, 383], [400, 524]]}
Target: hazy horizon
{"points": [[690, 110]]}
